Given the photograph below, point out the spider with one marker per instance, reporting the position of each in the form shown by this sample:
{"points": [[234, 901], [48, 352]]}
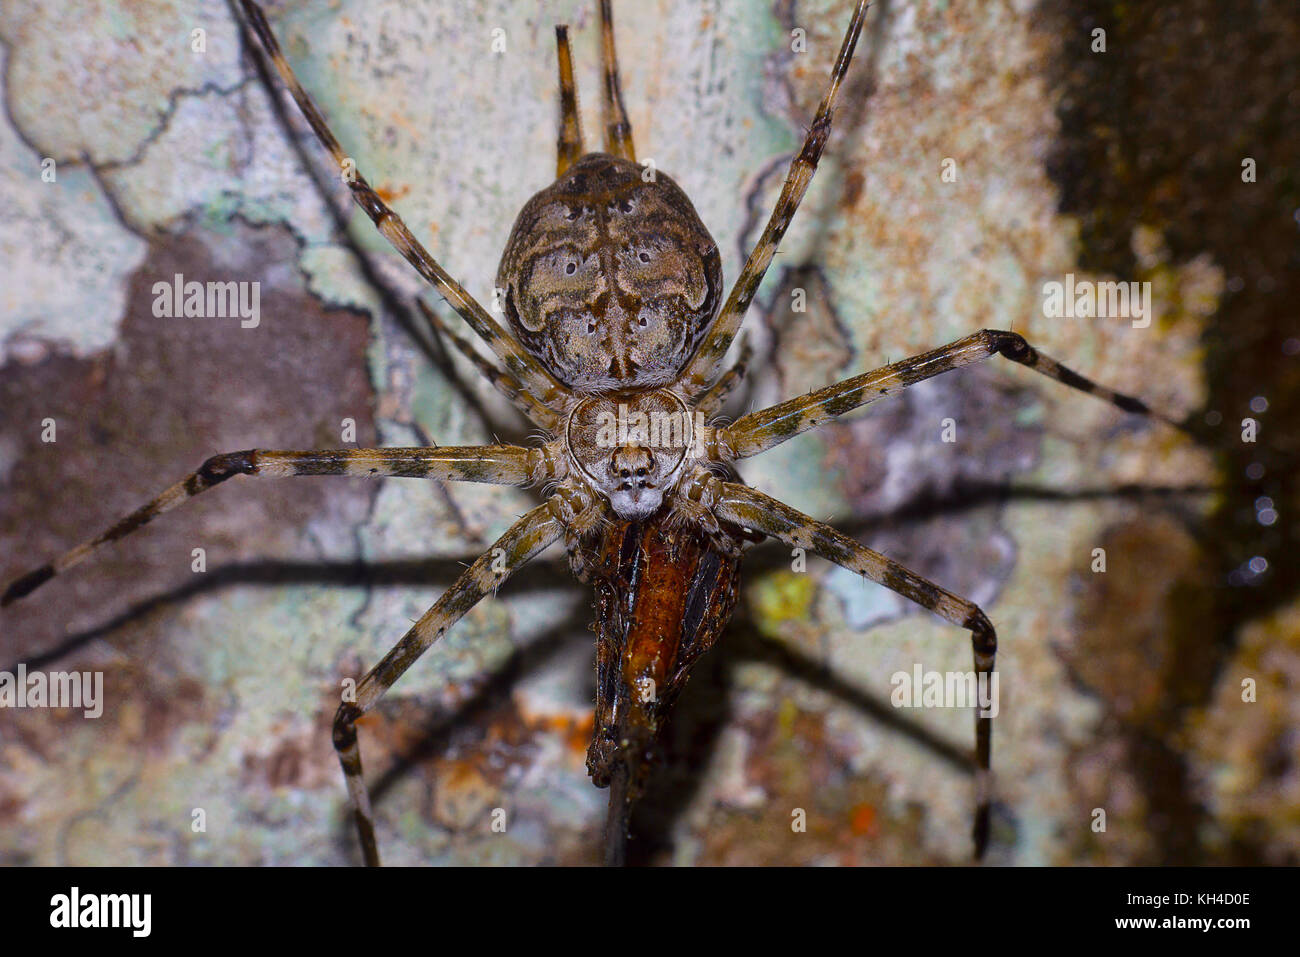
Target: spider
{"points": [[618, 327]]}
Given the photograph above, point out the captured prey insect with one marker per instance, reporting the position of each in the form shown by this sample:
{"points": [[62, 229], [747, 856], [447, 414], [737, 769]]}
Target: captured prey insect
{"points": [[618, 325]]}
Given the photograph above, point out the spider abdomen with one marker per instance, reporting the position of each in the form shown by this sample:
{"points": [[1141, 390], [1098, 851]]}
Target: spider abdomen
{"points": [[609, 277]]}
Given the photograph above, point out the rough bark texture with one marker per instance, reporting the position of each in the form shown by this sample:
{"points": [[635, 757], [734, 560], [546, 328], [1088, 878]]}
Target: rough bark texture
{"points": [[1120, 691]]}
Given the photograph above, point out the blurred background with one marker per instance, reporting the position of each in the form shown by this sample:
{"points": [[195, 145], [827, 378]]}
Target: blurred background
{"points": [[1162, 149]]}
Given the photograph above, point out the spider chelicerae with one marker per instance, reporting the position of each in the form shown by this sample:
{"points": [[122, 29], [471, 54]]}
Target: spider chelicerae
{"points": [[618, 325]]}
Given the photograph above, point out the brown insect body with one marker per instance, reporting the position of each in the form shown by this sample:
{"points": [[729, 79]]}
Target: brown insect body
{"points": [[665, 591]]}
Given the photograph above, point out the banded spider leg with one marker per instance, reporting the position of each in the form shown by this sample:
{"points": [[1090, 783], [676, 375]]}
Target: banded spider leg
{"points": [[539, 528], [754, 511], [531, 374], [498, 465]]}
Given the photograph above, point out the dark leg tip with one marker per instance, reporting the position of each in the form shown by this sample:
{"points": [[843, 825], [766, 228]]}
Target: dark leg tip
{"points": [[1130, 404], [345, 730], [221, 467], [1011, 344], [27, 584]]}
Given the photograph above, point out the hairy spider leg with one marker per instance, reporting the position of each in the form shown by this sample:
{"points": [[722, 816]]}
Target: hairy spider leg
{"points": [[504, 382], [702, 369], [526, 538], [751, 509], [769, 427], [531, 373], [618, 131], [493, 464], [711, 402], [762, 430], [569, 142]]}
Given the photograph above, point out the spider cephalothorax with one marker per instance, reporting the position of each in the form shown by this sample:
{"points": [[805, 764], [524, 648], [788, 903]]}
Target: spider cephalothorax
{"points": [[612, 287], [609, 277], [633, 447]]}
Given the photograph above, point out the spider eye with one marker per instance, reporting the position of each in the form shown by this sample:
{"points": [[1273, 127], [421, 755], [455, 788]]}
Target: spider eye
{"points": [[644, 257], [570, 269], [591, 326]]}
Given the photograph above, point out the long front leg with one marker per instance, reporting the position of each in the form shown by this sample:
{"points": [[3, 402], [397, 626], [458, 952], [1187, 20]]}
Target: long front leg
{"points": [[712, 401], [494, 464], [618, 130], [505, 383], [569, 141], [754, 511], [532, 533], [704, 366], [528, 370], [766, 428]]}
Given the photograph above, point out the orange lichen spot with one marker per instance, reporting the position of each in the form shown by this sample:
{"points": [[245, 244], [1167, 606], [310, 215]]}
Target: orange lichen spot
{"points": [[862, 819], [854, 183], [462, 795], [574, 729], [390, 194], [577, 732]]}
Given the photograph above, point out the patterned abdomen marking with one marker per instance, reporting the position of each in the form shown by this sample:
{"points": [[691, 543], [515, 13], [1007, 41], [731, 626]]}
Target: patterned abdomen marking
{"points": [[609, 277]]}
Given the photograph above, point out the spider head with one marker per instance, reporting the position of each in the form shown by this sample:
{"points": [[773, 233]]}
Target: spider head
{"points": [[632, 490], [631, 448], [609, 277]]}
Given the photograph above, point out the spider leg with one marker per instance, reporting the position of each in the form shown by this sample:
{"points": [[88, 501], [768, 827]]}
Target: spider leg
{"points": [[505, 383], [527, 369], [751, 509], [569, 143], [494, 464], [766, 428], [618, 131], [702, 368], [528, 536], [711, 402]]}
